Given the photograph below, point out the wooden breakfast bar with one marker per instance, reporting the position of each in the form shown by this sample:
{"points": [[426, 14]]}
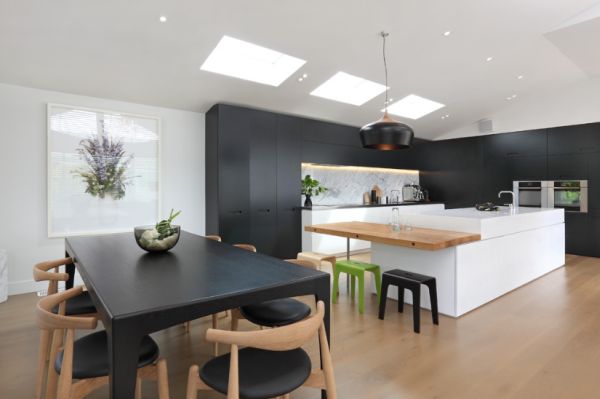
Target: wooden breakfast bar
{"points": [[474, 256]]}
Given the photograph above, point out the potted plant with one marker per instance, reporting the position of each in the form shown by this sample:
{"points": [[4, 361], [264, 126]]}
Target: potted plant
{"points": [[311, 187]]}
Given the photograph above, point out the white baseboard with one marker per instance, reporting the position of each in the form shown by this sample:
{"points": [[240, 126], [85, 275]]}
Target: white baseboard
{"points": [[25, 286]]}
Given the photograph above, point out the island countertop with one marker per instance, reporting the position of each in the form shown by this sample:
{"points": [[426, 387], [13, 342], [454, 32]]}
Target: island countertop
{"points": [[419, 238]]}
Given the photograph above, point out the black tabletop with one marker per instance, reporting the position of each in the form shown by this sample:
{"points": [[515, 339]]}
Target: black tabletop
{"points": [[128, 280]]}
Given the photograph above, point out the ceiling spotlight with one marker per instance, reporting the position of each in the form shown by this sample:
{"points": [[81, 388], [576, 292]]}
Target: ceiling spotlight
{"points": [[488, 59], [520, 77], [300, 79], [445, 116], [514, 96], [447, 33], [162, 18], [305, 75]]}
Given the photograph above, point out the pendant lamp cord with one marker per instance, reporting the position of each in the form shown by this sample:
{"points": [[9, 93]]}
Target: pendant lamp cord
{"points": [[384, 34]]}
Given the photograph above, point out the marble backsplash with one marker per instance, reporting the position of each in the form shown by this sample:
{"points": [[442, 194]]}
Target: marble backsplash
{"points": [[347, 184]]}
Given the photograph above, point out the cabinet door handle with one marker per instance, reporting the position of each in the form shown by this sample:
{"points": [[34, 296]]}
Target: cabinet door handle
{"points": [[236, 212], [264, 210]]}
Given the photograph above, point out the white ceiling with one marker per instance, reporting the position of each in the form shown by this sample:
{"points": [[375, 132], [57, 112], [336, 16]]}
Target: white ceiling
{"points": [[118, 49]]}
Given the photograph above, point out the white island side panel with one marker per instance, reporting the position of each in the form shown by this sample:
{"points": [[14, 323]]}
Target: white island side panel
{"points": [[491, 268]]}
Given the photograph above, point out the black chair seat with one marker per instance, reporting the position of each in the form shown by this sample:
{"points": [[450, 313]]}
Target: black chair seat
{"points": [[90, 355], [81, 304], [262, 374], [276, 313]]}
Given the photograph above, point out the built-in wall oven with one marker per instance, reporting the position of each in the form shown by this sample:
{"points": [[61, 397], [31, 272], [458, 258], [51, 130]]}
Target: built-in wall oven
{"points": [[571, 195], [533, 194]]}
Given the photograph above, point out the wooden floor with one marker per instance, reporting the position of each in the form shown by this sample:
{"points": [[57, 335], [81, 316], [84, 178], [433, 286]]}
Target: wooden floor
{"points": [[540, 341]]}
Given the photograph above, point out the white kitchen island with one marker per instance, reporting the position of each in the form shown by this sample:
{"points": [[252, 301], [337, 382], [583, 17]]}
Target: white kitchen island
{"points": [[475, 256], [515, 248]]}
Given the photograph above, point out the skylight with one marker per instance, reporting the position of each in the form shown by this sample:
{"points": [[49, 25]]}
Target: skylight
{"points": [[414, 107], [243, 60], [348, 89]]}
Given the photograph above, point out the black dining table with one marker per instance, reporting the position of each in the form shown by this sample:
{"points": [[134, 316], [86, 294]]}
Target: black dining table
{"points": [[137, 293]]}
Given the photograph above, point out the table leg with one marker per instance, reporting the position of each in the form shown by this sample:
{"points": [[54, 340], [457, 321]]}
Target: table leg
{"points": [[70, 269], [323, 294], [123, 352]]}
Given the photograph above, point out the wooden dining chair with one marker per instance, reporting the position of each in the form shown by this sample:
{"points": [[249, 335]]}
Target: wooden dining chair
{"points": [[86, 359], [276, 312], [247, 247], [186, 325], [81, 305], [271, 364]]}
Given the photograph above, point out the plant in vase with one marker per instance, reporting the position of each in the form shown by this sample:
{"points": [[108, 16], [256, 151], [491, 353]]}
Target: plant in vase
{"points": [[160, 237], [311, 187]]}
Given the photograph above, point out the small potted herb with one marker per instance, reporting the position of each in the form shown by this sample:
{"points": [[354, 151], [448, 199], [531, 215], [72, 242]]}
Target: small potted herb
{"points": [[311, 187]]}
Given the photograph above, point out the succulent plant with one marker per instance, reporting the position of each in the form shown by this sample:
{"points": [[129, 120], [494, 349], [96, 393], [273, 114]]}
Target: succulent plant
{"points": [[164, 228]]}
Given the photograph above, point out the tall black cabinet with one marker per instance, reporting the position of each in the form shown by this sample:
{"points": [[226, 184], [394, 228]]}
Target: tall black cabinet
{"points": [[242, 177]]}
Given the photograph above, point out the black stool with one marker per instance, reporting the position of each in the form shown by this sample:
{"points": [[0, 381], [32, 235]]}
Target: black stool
{"points": [[410, 281]]}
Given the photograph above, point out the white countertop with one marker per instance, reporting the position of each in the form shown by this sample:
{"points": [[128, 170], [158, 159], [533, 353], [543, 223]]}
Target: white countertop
{"points": [[487, 224]]}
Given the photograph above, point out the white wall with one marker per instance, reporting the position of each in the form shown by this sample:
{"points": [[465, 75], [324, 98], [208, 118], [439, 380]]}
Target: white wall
{"points": [[572, 105], [23, 220]]}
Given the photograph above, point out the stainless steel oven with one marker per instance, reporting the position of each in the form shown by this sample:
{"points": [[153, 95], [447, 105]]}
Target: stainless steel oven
{"points": [[533, 194], [571, 195]]}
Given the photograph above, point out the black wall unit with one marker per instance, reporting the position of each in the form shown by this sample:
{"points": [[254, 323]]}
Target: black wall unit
{"points": [[254, 157], [449, 172], [253, 171]]}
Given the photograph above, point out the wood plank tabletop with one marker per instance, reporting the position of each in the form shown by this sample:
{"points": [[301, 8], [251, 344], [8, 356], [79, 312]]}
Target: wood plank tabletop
{"points": [[420, 238]]}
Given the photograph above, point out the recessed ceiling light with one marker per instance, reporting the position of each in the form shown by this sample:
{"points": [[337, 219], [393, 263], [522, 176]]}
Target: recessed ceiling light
{"points": [[511, 97], [414, 107], [488, 59], [300, 79], [514, 96], [305, 75], [520, 77], [243, 60], [447, 33], [446, 116], [348, 89], [162, 18]]}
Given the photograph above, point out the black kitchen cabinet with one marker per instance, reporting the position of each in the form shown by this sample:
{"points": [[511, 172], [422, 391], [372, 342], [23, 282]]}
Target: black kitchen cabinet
{"points": [[575, 139], [594, 234], [289, 159], [577, 237], [262, 130], [528, 167], [495, 178], [594, 181], [526, 143], [568, 167]]}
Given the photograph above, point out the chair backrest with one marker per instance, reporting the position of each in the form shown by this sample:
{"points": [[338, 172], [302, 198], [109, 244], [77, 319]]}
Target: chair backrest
{"points": [[247, 247], [47, 320], [214, 238], [41, 272], [277, 339], [304, 263]]}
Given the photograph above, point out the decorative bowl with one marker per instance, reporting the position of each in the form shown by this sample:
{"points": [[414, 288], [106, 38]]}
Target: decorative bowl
{"points": [[148, 238]]}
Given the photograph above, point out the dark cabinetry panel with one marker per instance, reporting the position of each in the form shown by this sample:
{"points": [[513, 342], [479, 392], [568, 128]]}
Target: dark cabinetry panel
{"points": [[594, 234], [263, 181], [573, 166], [594, 181], [577, 237], [574, 139], [289, 158], [526, 143], [528, 167]]}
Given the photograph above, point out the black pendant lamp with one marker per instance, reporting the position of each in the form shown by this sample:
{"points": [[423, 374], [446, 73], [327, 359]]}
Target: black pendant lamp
{"points": [[386, 134]]}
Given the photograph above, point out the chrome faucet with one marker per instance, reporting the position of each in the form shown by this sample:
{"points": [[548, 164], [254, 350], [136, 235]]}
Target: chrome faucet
{"points": [[512, 206]]}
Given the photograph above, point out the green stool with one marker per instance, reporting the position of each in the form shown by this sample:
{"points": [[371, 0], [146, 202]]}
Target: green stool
{"points": [[356, 270]]}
